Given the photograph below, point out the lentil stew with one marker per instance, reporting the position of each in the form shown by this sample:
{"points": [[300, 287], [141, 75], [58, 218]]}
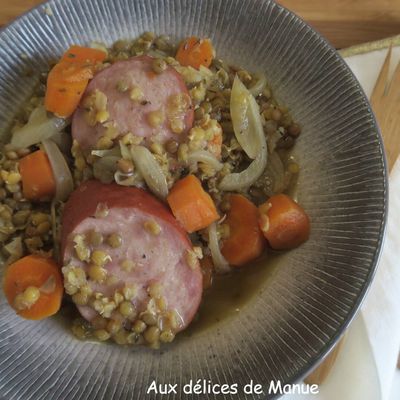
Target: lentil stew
{"points": [[143, 171]]}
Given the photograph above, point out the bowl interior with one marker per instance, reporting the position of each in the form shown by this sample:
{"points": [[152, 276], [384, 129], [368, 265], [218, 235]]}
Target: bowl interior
{"points": [[309, 295]]}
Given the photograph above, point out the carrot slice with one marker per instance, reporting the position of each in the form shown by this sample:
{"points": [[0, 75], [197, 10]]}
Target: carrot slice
{"points": [[246, 241], [38, 272], [191, 205], [195, 52], [283, 222], [69, 78], [83, 55], [37, 176]]}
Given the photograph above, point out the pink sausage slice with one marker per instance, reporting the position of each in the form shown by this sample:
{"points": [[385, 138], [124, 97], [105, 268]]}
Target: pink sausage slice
{"points": [[158, 258], [129, 115]]}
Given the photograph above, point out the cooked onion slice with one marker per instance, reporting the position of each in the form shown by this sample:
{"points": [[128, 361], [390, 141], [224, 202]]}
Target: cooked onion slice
{"points": [[151, 171], [205, 157], [39, 127], [105, 167], [242, 180], [14, 250], [259, 86], [246, 119], [220, 263], [133, 179], [62, 174]]}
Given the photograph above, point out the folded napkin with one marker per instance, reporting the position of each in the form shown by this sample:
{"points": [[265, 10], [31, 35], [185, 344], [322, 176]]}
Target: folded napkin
{"points": [[366, 366], [381, 309]]}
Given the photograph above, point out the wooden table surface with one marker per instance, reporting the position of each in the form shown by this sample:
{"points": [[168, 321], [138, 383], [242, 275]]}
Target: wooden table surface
{"points": [[343, 22]]}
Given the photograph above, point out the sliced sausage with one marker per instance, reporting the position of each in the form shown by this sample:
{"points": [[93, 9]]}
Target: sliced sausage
{"points": [[150, 257], [139, 101]]}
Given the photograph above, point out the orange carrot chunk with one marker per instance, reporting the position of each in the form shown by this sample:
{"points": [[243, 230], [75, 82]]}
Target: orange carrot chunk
{"points": [[68, 80], [83, 54], [283, 222], [38, 181], [33, 287], [191, 205], [246, 241], [195, 52]]}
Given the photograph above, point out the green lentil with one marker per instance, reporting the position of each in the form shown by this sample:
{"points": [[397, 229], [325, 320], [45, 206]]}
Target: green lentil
{"points": [[101, 334], [114, 240], [167, 336], [95, 238], [152, 334], [100, 258], [139, 326], [127, 309]]}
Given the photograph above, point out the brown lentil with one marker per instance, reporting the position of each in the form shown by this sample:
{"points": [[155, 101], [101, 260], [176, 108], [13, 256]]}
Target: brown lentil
{"points": [[94, 238], [294, 130], [98, 322], [113, 326], [121, 337], [125, 166], [152, 334], [285, 142], [43, 227], [21, 217], [276, 114], [172, 146]]}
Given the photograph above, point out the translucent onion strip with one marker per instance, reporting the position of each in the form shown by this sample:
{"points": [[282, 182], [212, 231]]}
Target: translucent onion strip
{"points": [[38, 128], [205, 157], [255, 134], [219, 261], [242, 180], [14, 249], [61, 171], [150, 170], [246, 119]]}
